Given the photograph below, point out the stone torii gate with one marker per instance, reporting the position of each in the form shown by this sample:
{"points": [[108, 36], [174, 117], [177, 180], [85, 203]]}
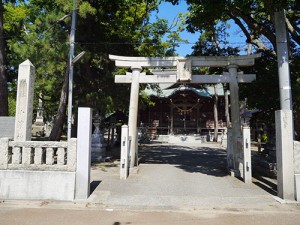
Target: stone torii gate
{"points": [[184, 75]]}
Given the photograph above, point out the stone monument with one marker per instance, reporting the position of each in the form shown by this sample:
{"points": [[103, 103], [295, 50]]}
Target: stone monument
{"points": [[23, 122], [98, 145]]}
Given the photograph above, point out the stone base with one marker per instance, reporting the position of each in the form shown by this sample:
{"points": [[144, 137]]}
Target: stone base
{"points": [[234, 173], [178, 139], [37, 185], [297, 191], [134, 170], [38, 131], [98, 155]]}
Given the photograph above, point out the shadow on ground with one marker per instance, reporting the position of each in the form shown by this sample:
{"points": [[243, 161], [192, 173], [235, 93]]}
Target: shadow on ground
{"points": [[268, 185], [93, 185], [204, 160]]}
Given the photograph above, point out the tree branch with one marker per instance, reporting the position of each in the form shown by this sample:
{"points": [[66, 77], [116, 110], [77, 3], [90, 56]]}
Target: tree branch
{"points": [[292, 30], [58, 21], [250, 38], [255, 25]]}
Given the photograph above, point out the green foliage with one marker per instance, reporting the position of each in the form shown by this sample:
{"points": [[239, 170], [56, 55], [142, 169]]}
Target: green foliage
{"points": [[255, 18], [39, 31], [12, 105], [264, 138]]}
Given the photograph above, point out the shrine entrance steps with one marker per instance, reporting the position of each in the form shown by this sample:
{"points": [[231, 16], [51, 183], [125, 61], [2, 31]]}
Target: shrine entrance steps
{"points": [[184, 139]]}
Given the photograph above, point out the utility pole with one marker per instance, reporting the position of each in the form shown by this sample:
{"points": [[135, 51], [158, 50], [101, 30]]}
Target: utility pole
{"points": [[283, 61], [284, 117], [71, 65]]}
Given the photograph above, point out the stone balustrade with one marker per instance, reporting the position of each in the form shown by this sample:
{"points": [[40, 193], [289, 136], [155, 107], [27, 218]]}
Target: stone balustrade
{"points": [[38, 155]]}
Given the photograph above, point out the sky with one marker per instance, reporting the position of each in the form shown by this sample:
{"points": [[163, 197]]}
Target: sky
{"points": [[169, 12]]}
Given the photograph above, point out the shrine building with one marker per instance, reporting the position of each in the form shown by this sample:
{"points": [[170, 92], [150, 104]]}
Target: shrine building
{"points": [[183, 109]]}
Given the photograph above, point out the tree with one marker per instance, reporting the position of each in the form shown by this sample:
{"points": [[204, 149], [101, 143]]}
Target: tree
{"points": [[104, 27], [255, 19], [3, 68]]}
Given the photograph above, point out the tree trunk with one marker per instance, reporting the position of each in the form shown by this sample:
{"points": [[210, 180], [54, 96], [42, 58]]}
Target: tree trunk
{"points": [[216, 119], [226, 107], [3, 67], [60, 118]]}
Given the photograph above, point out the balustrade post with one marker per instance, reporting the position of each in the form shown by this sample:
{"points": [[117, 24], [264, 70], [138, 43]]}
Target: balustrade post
{"points": [[60, 156], [17, 156], [38, 155], [71, 154], [27, 156], [4, 152], [49, 156]]}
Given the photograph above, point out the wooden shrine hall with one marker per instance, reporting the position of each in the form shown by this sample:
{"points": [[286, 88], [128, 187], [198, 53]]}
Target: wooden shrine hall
{"points": [[183, 110]]}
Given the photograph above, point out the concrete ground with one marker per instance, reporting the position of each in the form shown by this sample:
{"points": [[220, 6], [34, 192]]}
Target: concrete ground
{"points": [[174, 185]]}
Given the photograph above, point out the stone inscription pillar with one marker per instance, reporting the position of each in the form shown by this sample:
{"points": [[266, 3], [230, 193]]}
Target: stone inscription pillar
{"points": [[124, 153], [133, 113], [285, 154], [23, 124], [235, 114], [247, 168]]}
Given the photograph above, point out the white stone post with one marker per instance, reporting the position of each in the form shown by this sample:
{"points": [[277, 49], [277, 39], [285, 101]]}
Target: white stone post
{"points": [[297, 169], [247, 168], [84, 136], [24, 106], [285, 154], [235, 115], [124, 153], [4, 153], [133, 113]]}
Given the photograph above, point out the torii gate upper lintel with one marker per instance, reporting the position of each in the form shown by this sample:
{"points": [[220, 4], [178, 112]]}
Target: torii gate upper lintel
{"points": [[183, 74]]}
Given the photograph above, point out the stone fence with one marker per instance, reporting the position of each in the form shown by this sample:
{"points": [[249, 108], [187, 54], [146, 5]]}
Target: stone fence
{"points": [[43, 169], [38, 169], [37, 155]]}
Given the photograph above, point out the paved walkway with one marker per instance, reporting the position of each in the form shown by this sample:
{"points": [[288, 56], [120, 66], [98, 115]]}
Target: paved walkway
{"points": [[176, 177]]}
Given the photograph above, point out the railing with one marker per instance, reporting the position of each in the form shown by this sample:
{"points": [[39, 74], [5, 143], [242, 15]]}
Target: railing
{"points": [[37, 155]]}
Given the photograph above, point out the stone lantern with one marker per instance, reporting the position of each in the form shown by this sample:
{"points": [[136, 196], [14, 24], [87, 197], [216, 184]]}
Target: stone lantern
{"points": [[98, 146]]}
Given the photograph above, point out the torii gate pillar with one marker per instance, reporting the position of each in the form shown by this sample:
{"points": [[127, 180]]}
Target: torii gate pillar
{"points": [[235, 115], [133, 113]]}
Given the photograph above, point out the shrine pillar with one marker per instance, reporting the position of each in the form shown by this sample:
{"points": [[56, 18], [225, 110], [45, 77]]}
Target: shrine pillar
{"points": [[133, 114], [235, 117], [172, 120]]}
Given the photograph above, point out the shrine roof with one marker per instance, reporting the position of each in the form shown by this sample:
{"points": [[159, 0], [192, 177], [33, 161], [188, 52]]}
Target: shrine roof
{"points": [[168, 90]]}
